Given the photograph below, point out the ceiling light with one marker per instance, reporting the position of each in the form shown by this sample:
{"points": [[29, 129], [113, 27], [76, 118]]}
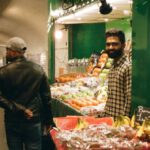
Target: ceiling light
{"points": [[114, 8], [130, 1], [106, 19], [126, 12], [78, 18], [105, 8], [58, 34]]}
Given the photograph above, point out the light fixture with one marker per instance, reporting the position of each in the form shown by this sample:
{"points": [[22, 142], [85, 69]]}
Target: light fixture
{"points": [[58, 34], [105, 8], [126, 12], [106, 19], [130, 1], [114, 8], [79, 18]]}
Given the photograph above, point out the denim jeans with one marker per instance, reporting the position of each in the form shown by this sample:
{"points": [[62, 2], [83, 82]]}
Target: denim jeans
{"points": [[23, 136]]}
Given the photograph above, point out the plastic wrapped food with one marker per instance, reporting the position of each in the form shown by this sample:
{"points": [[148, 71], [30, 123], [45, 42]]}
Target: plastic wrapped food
{"points": [[102, 137]]}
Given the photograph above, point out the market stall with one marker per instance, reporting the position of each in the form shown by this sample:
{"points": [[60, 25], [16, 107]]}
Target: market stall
{"points": [[122, 134], [71, 53]]}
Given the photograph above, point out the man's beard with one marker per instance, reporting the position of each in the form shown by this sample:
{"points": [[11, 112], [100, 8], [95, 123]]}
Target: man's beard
{"points": [[115, 53]]}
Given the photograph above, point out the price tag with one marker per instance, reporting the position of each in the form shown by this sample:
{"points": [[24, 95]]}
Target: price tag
{"points": [[142, 114]]}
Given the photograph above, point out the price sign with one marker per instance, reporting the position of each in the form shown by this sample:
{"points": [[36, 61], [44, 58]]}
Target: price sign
{"points": [[142, 114]]}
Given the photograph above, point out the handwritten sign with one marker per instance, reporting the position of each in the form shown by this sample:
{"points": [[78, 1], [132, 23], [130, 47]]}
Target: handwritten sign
{"points": [[142, 114]]}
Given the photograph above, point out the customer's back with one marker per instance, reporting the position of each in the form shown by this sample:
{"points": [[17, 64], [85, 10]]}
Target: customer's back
{"points": [[21, 83]]}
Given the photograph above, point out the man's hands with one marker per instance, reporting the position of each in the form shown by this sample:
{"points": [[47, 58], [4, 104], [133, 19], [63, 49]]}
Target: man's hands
{"points": [[46, 129], [28, 113]]}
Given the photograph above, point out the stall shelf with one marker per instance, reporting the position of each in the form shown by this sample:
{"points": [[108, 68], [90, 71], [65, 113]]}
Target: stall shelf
{"points": [[61, 109]]}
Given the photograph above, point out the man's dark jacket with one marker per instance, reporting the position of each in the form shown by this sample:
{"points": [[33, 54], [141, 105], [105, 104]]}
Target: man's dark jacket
{"points": [[23, 84]]}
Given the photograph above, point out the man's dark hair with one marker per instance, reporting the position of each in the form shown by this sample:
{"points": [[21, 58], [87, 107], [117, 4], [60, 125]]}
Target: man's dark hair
{"points": [[114, 32]]}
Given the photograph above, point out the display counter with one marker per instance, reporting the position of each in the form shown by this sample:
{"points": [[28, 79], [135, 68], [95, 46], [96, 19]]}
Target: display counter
{"points": [[61, 109]]}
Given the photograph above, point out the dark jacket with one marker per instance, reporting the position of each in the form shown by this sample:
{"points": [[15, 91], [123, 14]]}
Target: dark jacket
{"points": [[23, 84]]}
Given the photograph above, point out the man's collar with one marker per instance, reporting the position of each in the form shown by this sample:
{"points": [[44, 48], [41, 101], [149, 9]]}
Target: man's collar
{"points": [[20, 58], [120, 60]]}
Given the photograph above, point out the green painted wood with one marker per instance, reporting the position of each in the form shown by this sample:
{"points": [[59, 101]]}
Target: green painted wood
{"points": [[122, 24], [51, 62], [53, 4], [86, 38], [141, 55], [70, 49]]}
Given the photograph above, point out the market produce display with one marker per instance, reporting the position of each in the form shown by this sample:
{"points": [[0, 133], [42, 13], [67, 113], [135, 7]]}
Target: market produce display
{"points": [[93, 110], [66, 123], [78, 122], [82, 94], [105, 135], [70, 77], [102, 137], [86, 93], [96, 66]]}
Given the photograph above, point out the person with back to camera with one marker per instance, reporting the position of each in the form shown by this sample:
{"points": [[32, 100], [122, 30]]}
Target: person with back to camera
{"points": [[25, 96], [119, 78]]}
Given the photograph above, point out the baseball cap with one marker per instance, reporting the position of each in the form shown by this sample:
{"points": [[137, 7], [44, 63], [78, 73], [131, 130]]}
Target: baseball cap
{"points": [[16, 43]]}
